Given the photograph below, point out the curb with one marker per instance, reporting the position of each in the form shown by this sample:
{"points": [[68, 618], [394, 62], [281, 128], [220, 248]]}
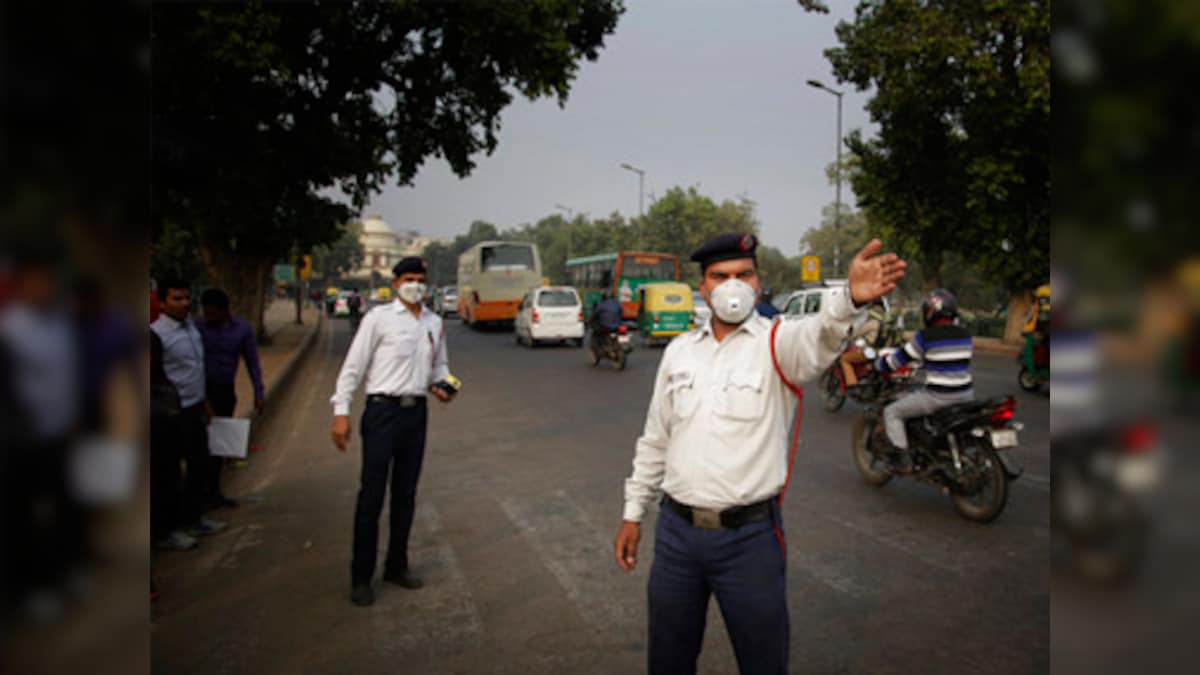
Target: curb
{"points": [[993, 346], [284, 376]]}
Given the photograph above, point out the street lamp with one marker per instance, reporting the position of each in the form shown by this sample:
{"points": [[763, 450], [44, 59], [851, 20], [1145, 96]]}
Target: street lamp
{"points": [[641, 184], [837, 200], [570, 218]]}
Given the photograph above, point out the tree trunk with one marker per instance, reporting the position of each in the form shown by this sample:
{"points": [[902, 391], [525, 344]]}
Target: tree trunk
{"points": [[1019, 302], [243, 278]]}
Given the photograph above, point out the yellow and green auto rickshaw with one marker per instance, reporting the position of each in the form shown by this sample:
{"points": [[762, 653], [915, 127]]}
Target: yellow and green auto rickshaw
{"points": [[664, 311]]}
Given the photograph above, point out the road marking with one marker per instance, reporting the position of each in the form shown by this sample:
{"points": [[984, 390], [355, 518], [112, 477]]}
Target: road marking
{"points": [[580, 557], [439, 619]]}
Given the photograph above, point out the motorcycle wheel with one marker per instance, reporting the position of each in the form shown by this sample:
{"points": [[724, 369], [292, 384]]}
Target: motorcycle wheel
{"points": [[620, 359], [831, 390], [1027, 381], [872, 468], [984, 503], [593, 357], [1111, 555]]}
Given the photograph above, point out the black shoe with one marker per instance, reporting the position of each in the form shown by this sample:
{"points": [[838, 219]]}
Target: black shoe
{"points": [[405, 579], [362, 595]]}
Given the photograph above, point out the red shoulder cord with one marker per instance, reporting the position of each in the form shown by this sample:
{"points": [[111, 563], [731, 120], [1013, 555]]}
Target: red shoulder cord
{"points": [[795, 430]]}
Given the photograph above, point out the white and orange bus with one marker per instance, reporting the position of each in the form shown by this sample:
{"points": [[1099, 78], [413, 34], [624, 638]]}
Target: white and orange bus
{"points": [[493, 276]]}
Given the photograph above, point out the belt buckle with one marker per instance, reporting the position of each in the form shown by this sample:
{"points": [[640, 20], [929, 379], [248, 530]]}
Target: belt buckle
{"points": [[704, 518]]}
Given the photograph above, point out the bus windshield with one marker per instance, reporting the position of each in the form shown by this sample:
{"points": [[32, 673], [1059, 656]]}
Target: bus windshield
{"points": [[506, 257], [645, 268]]}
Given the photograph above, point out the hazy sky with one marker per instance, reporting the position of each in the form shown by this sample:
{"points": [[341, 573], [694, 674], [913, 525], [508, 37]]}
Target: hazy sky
{"points": [[708, 93]]}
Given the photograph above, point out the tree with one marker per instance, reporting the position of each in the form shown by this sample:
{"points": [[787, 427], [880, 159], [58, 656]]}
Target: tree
{"points": [[261, 110], [961, 162], [343, 256]]}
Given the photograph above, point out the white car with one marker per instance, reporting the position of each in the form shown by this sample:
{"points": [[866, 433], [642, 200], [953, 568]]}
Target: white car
{"points": [[808, 301], [549, 313], [341, 306], [700, 310], [448, 301]]}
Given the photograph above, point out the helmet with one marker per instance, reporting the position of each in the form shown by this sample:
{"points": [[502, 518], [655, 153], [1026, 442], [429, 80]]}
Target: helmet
{"points": [[939, 304]]}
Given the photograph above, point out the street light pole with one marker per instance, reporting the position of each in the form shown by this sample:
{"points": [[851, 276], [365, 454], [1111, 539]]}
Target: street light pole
{"points": [[570, 219], [641, 187], [837, 200]]}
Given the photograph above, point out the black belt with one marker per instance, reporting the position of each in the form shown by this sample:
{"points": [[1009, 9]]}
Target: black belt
{"points": [[729, 518], [404, 401]]}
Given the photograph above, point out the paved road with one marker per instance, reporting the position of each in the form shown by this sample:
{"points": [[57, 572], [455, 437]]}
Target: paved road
{"points": [[519, 501]]}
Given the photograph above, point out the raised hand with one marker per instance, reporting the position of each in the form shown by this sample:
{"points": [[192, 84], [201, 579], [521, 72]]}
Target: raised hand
{"points": [[872, 275]]}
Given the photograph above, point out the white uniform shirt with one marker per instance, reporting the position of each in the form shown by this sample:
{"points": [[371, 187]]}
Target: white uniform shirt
{"points": [[183, 357], [716, 432], [399, 353]]}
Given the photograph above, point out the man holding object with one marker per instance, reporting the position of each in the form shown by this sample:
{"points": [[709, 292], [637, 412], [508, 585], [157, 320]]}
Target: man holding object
{"points": [[715, 447], [400, 349]]}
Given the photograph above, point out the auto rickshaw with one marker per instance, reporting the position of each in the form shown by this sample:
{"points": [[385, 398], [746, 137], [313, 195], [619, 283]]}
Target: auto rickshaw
{"points": [[384, 294], [664, 311], [1034, 359]]}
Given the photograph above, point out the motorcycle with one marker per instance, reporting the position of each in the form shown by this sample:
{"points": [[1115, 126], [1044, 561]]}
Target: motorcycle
{"points": [[835, 391], [957, 449], [1097, 480], [613, 346], [1034, 361]]}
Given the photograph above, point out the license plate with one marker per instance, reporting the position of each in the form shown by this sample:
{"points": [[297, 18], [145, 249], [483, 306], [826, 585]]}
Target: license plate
{"points": [[1138, 473], [1004, 438], [624, 339]]}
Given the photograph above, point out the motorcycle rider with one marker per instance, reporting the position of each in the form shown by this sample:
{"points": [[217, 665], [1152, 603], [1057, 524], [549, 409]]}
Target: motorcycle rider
{"points": [[605, 319], [871, 330], [944, 348]]}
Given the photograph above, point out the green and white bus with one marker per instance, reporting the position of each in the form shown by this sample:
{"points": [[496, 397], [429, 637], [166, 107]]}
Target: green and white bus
{"points": [[621, 274]]}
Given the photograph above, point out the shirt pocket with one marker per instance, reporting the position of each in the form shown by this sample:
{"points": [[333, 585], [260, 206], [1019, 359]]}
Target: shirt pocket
{"points": [[402, 343], [742, 396], [682, 395]]}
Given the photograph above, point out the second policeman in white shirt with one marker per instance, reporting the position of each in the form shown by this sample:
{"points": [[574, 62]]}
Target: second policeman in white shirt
{"points": [[398, 353], [715, 447]]}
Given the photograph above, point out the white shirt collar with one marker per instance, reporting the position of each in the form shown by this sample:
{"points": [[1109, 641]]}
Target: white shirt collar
{"points": [[751, 325]]}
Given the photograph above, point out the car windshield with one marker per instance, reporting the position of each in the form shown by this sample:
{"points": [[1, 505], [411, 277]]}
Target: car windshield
{"points": [[557, 298], [507, 257]]}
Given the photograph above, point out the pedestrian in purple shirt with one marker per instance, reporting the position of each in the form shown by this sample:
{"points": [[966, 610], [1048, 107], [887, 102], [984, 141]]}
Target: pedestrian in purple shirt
{"points": [[227, 339]]}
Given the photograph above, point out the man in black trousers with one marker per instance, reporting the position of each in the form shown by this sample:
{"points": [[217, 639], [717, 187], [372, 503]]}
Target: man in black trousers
{"points": [[399, 353]]}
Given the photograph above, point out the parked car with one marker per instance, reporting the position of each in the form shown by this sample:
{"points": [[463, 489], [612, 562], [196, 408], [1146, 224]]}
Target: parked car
{"points": [[700, 311], [549, 313]]}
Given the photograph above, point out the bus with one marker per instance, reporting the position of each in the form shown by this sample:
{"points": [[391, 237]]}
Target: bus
{"points": [[621, 274], [493, 276]]}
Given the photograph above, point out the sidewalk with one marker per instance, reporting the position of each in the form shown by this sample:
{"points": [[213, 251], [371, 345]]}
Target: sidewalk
{"points": [[287, 341]]}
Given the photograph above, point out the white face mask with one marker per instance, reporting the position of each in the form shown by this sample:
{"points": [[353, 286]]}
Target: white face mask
{"points": [[733, 300], [412, 292]]}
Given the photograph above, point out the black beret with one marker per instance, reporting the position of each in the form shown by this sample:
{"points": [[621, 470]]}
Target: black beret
{"points": [[409, 266], [725, 247]]}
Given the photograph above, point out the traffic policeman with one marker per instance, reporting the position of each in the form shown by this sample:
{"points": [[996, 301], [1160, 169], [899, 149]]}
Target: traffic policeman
{"points": [[715, 447], [399, 352]]}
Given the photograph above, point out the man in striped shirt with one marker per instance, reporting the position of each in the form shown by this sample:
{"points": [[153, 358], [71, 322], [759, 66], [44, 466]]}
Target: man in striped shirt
{"points": [[944, 348]]}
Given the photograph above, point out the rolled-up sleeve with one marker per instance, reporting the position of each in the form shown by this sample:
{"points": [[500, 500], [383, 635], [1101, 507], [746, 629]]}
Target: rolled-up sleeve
{"points": [[441, 360], [358, 359], [805, 347], [650, 455]]}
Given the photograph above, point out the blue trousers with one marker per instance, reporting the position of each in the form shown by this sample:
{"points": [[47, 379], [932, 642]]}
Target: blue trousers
{"points": [[744, 567], [393, 445]]}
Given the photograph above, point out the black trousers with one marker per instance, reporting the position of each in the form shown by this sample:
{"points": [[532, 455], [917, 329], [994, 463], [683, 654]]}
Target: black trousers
{"points": [[222, 398], [178, 499], [393, 444]]}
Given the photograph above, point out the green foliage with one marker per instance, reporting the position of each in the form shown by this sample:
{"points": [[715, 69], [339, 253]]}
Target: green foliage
{"points": [[344, 255], [962, 100], [263, 110]]}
